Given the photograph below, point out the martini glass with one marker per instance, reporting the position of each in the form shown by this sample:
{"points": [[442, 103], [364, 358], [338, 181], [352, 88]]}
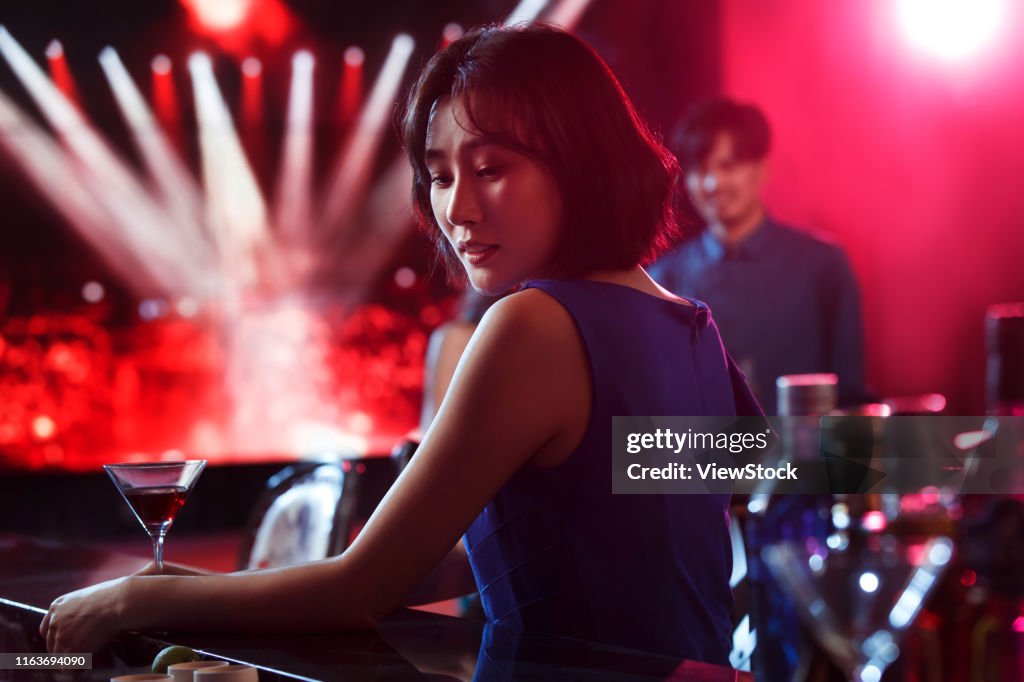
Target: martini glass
{"points": [[156, 493], [860, 594], [862, 578]]}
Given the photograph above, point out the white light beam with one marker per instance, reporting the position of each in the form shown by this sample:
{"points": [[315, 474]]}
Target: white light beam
{"points": [[143, 226], [236, 211], [177, 185], [567, 13], [525, 12], [352, 171], [294, 211], [56, 176]]}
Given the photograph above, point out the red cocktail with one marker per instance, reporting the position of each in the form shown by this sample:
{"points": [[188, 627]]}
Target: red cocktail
{"points": [[156, 493], [157, 507]]}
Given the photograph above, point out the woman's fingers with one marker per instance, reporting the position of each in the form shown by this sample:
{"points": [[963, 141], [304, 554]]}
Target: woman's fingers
{"points": [[47, 623], [51, 638], [55, 627], [51, 621], [83, 620]]}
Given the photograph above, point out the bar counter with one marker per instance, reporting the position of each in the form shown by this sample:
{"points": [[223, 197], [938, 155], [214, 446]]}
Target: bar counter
{"points": [[408, 645]]}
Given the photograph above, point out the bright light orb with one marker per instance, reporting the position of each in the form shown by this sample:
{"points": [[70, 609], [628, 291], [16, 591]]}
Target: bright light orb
{"points": [[951, 30], [93, 292], [452, 32], [199, 61], [43, 427], [302, 61], [54, 50], [151, 309], [354, 57], [252, 67], [220, 15], [870, 673], [405, 278], [868, 581], [161, 65], [941, 552]]}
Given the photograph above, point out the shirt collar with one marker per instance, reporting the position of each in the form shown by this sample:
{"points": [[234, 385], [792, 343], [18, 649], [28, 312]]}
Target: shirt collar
{"points": [[756, 243]]}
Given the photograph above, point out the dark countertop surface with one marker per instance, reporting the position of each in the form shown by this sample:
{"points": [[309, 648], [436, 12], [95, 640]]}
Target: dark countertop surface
{"points": [[407, 645]]}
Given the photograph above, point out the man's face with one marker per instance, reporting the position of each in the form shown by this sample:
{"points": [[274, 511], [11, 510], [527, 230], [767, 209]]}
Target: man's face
{"points": [[723, 188]]}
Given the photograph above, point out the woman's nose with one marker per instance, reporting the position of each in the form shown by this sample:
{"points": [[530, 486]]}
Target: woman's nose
{"points": [[463, 204]]}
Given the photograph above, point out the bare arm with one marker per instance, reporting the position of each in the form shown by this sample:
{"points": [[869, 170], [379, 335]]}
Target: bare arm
{"points": [[451, 578], [510, 399]]}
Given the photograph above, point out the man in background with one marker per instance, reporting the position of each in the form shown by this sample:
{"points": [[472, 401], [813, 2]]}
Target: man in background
{"points": [[786, 301]]}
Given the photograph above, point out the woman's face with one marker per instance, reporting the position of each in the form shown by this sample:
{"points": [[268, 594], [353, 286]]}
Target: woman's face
{"points": [[499, 208]]}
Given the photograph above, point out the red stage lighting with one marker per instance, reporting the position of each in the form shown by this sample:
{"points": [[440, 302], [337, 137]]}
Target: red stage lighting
{"points": [[59, 71], [240, 25], [251, 121], [252, 94], [165, 99], [351, 84]]}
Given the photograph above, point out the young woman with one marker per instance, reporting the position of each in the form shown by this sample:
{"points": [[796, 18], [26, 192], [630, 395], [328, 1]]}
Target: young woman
{"points": [[533, 171]]}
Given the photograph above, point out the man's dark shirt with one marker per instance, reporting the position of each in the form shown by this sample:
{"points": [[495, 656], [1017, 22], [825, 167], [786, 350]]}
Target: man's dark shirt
{"points": [[785, 301]]}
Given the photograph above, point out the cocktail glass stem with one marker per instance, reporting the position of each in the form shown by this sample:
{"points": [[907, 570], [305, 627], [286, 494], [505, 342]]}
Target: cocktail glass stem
{"points": [[158, 551]]}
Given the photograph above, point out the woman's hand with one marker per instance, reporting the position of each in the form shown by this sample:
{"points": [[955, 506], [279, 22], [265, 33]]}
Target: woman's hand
{"points": [[85, 620]]}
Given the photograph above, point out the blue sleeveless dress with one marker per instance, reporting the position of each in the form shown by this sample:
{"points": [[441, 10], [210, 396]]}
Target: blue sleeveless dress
{"points": [[555, 551]]}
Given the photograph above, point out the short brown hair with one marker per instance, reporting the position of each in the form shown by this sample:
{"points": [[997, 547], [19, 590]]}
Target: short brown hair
{"points": [[551, 96]]}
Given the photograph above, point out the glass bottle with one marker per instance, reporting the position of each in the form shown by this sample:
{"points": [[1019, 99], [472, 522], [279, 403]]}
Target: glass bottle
{"points": [[991, 612], [784, 651]]}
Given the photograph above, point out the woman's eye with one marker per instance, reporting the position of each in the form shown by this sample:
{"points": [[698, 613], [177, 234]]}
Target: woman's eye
{"points": [[440, 179], [489, 171]]}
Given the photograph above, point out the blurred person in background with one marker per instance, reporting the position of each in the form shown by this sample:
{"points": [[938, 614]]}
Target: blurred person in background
{"points": [[785, 300], [444, 350]]}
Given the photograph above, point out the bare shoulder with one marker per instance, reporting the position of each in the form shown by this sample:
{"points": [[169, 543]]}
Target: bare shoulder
{"points": [[527, 337], [521, 347], [530, 316], [529, 332], [530, 350]]}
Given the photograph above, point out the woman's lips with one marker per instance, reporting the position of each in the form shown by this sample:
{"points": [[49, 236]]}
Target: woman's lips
{"points": [[478, 255]]}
